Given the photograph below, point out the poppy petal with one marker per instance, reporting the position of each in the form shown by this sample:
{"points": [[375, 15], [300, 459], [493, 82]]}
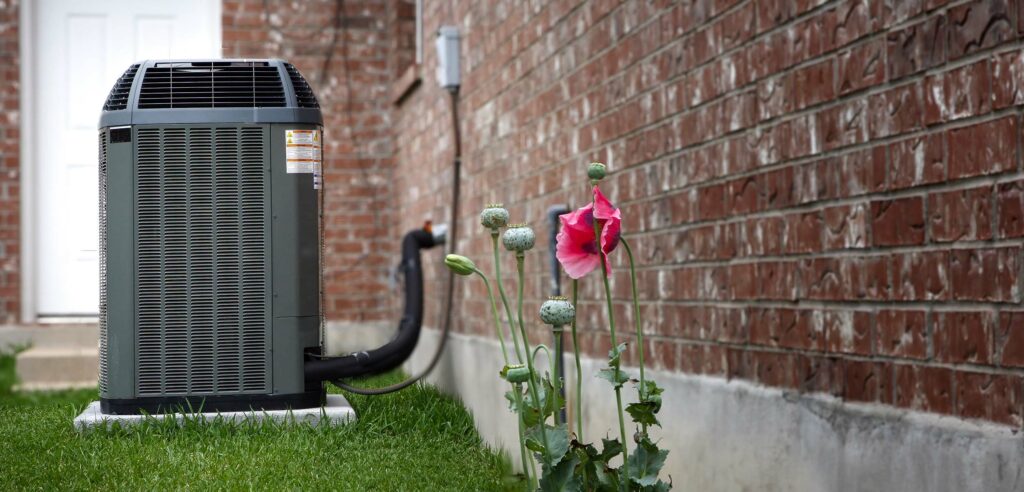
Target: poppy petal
{"points": [[576, 262]]}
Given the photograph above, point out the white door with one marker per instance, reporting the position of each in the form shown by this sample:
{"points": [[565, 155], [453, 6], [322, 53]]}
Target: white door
{"points": [[80, 48]]}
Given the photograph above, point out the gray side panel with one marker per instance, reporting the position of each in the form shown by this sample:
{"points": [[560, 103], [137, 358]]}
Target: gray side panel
{"points": [[296, 266], [296, 241], [291, 336], [119, 272]]}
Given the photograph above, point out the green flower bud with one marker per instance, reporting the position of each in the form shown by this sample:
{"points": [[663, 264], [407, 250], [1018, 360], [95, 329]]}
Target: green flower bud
{"points": [[517, 373], [494, 216], [460, 264], [557, 311], [596, 171], [518, 238]]}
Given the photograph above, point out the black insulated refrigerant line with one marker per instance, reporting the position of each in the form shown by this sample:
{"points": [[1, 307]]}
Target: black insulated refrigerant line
{"points": [[395, 352]]}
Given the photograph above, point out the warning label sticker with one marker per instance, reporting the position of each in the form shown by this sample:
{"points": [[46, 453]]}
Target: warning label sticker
{"points": [[302, 151]]}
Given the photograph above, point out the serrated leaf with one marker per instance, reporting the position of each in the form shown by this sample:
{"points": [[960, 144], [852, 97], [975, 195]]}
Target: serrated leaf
{"points": [[593, 469], [511, 397], [607, 479], [651, 388], [531, 410], [561, 477], [615, 376], [643, 413], [610, 448], [550, 403], [660, 486], [650, 392], [615, 355], [557, 442], [553, 401], [645, 463]]}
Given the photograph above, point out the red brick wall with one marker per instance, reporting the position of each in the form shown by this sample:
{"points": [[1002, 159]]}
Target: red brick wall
{"points": [[354, 96], [10, 187], [825, 196]]}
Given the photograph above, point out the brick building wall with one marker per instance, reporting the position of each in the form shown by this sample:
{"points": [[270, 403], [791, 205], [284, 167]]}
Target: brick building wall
{"points": [[347, 58], [10, 220], [825, 196]]}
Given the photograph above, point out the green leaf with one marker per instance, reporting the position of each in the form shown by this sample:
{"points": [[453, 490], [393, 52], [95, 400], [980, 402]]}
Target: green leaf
{"points": [[651, 388], [650, 392], [531, 410], [557, 442], [510, 395], [594, 471], [608, 479], [658, 487], [561, 477], [645, 463], [613, 375], [610, 449], [643, 412], [550, 402], [615, 355], [553, 401]]}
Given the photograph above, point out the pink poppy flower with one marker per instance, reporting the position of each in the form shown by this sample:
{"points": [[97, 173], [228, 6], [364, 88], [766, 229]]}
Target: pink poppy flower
{"points": [[577, 247]]}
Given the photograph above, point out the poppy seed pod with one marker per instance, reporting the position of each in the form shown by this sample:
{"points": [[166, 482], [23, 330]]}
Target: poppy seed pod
{"points": [[494, 216], [557, 311], [517, 373], [597, 171], [518, 238]]}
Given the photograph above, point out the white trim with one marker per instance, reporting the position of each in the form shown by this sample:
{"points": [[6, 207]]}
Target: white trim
{"points": [[26, 169], [67, 320], [26, 149], [216, 25]]}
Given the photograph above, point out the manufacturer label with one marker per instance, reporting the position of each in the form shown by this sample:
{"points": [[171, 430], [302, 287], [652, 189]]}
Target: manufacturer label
{"points": [[302, 151]]}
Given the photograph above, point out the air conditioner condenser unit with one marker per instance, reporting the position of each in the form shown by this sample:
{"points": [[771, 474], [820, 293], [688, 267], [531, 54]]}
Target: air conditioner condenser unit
{"points": [[209, 242]]}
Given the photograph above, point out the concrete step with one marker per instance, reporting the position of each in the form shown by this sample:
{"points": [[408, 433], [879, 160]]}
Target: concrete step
{"points": [[51, 368], [85, 335]]}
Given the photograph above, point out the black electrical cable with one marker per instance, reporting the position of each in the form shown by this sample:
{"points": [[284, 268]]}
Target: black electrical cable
{"points": [[450, 287], [322, 76], [335, 23]]}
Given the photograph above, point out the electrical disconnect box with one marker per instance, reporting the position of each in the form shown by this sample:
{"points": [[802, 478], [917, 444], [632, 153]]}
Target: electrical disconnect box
{"points": [[448, 57]]}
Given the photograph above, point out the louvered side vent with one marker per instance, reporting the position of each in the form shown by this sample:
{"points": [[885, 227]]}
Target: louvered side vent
{"points": [[203, 312], [303, 92], [118, 97], [103, 261], [211, 85]]}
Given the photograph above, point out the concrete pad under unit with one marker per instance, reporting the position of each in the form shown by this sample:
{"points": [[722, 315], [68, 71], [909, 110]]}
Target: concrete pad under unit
{"points": [[337, 411]]}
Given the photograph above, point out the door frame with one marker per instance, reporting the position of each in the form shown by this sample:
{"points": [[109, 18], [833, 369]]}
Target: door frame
{"points": [[27, 240]]}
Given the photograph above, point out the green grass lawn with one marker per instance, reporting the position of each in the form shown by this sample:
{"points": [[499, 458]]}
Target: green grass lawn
{"points": [[416, 439]]}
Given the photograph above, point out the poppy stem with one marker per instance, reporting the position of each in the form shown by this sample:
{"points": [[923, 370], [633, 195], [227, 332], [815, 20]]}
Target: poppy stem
{"points": [[504, 298], [557, 332], [494, 312], [553, 379], [601, 256], [579, 371], [528, 464], [520, 260], [639, 329]]}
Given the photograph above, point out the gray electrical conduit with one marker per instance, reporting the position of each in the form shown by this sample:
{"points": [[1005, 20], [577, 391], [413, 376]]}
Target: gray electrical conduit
{"points": [[450, 286]]}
